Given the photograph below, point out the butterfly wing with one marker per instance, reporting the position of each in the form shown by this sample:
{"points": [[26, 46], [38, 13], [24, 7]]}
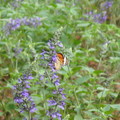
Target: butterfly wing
{"points": [[61, 60], [57, 64]]}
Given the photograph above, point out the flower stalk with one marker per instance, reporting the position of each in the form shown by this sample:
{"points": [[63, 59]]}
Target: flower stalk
{"points": [[56, 101]]}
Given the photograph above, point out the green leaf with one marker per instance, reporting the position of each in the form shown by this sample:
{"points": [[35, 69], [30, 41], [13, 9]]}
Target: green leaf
{"points": [[82, 79], [78, 117], [102, 94], [1, 113], [106, 108], [10, 106], [90, 70], [2, 43], [67, 117], [116, 106], [83, 24]]}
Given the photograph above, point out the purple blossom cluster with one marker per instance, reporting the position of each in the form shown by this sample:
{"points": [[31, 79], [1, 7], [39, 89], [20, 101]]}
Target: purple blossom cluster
{"points": [[56, 102], [17, 23], [99, 17], [17, 51], [107, 5], [16, 3], [58, 1], [59, 104], [54, 115], [22, 96]]}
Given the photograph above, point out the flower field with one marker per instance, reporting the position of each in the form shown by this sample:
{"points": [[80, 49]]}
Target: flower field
{"points": [[59, 60]]}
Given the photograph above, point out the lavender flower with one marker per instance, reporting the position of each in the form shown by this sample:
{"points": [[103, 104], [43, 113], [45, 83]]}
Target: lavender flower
{"points": [[106, 5], [16, 3], [22, 96], [60, 91], [54, 76], [58, 1], [41, 77], [61, 104], [98, 18], [33, 22], [17, 23], [54, 115], [57, 82], [60, 44], [52, 102], [56, 102], [17, 51]]}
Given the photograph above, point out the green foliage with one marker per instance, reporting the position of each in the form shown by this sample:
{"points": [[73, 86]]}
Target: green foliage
{"points": [[90, 80]]}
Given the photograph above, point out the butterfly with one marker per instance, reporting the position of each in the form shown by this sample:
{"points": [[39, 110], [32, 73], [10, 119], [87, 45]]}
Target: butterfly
{"points": [[61, 61]]}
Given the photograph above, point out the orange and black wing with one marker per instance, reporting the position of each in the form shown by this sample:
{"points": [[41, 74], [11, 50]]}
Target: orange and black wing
{"points": [[60, 61], [60, 58]]}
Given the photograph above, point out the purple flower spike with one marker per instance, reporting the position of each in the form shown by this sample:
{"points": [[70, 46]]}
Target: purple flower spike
{"points": [[56, 102], [41, 77], [54, 58], [59, 1], [61, 105], [33, 109], [60, 44], [107, 5], [54, 76], [98, 18], [63, 96], [22, 95], [14, 87], [30, 78], [18, 100], [25, 93], [60, 90], [17, 51], [55, 92], [52, 102], [17, 23], [54, 115], [57, 83], [44, 52]]}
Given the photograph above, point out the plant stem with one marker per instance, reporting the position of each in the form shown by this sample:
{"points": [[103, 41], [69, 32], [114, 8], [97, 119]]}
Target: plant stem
{"points": [[29, 115], [76, 98]]}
